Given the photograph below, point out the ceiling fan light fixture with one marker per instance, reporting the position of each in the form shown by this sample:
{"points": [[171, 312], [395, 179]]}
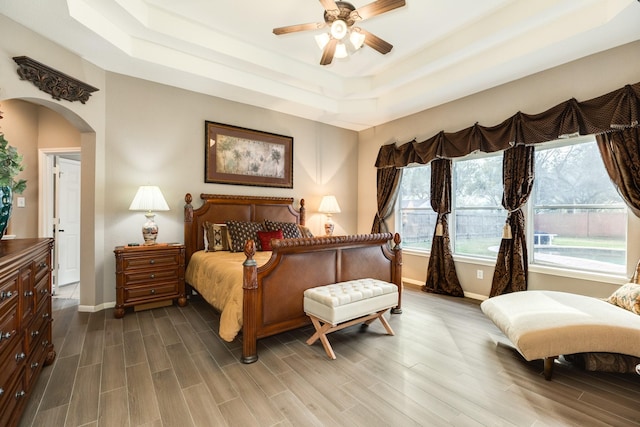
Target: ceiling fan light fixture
{"points": [[356, 38], [341, 51], [339, 29], [322, 40]]}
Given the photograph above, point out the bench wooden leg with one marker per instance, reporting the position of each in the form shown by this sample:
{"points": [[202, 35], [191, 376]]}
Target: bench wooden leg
{"points": [[322, 329]]}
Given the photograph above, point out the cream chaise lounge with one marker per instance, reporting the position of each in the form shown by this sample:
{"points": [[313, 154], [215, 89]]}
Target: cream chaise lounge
{"points": [[547, 324]]}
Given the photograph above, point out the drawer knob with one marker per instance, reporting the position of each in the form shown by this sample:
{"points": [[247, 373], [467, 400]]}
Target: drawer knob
{"points": [[44, 291], [20, 394], [35, 333], [5, 336], [28, 293], [5, 295], [45, 315], [42, 265], [153, 261], [20, 356], [153, 276], [34, 365], [153, 291], [1, 391], [45, 343]]}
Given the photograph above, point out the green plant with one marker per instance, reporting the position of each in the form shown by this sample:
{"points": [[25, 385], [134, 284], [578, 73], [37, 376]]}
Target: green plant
{"points": [[10, 167]]}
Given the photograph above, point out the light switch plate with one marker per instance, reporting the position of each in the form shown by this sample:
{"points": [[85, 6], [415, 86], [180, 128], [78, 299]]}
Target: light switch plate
{"points": [[20, 202]]}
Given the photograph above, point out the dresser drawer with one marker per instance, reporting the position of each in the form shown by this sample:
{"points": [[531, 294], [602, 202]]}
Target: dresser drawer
{"points": [[41, 289], [42, 265], [9, 330], [37, 331], [10, 366], [39, 345], [149, 292], [8, 292], [13, 397], [154, 260]]}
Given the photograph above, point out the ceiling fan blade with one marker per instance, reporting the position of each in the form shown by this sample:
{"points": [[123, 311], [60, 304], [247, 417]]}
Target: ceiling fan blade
{"points": [[327, 53], [376, 8], [376, 42], [329, 5], [299, 27]]}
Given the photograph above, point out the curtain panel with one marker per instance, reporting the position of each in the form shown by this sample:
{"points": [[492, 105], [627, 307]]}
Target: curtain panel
{"points": [[512, 265], [620, 152], [615, 110], [441, 271], [388, 184]]}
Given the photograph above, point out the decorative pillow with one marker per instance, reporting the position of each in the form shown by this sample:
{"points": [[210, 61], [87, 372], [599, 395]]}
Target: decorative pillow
{"points": [[266, 236], [241, 231], [305, 231], [627, 297], [290, 230], [217, 237]]}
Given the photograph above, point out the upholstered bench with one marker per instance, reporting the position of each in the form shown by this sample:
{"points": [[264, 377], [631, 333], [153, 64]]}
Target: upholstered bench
{"points": [[339, 305]]}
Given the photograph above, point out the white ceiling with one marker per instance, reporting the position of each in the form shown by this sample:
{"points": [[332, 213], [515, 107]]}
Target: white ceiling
{"points": [[443, 49]]}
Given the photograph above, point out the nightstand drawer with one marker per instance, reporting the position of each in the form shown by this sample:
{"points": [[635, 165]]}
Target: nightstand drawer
{"points": [[8, 329], [155, 261], [147, 292], [149, 276]]}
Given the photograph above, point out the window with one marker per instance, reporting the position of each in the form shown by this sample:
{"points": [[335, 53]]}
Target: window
{"points": [[579, 219], [417, 218], [478, 212], [575, 217]]}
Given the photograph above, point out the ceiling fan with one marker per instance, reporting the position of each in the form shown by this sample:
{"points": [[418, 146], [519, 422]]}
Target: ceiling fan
{"points": [[341, 17]]}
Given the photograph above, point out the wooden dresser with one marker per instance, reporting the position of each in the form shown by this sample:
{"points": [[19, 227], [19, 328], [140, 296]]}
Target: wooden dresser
{"points": [[149, 274], [25, 321]]}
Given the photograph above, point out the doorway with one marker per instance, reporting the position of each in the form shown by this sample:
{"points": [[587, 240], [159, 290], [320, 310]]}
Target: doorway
{"points": [[60, 217]]}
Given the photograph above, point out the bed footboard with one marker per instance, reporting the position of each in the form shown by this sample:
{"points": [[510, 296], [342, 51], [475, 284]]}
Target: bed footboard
{"points": [[273, 292]]}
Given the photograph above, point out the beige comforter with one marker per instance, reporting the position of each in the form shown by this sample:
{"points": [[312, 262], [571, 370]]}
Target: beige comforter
{"points": [[217, 276]]}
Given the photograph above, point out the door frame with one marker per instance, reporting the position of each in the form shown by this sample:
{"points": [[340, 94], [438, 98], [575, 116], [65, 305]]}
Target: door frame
{"points": [[46, 198]]}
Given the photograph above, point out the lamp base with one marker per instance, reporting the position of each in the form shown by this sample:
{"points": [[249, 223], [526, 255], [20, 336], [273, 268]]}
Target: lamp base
{"points": [[328, 228], [150, 230]]}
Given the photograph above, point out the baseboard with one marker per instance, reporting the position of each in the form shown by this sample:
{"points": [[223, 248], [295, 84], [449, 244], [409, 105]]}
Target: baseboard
{"points": [[96, 308], [415, 284]]}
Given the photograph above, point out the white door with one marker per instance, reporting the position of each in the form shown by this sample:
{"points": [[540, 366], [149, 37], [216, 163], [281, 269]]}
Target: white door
{"points": [[68, 232]]}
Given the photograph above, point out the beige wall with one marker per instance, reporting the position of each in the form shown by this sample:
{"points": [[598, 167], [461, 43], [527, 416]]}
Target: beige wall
{"points": [[155, 135], [582, 79]]}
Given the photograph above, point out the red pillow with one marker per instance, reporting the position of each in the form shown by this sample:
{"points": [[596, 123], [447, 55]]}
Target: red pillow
{"points": [[266, 236]]}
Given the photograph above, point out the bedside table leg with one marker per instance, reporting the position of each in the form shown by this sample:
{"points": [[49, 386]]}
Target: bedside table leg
{"points": [[182, 301], [118, 313]]}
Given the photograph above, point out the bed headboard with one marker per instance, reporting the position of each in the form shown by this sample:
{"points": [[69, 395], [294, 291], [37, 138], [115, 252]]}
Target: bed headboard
{"points": [[218, 208]]}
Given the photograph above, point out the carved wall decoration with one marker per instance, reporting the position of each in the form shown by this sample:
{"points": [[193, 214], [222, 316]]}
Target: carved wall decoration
{"points": [[57, 84]]}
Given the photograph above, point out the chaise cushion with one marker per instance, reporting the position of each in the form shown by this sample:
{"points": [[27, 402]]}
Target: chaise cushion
{"points": [[544, 324]]}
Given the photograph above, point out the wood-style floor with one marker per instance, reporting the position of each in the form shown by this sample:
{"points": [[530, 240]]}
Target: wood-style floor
{"points": [[167, 367]]}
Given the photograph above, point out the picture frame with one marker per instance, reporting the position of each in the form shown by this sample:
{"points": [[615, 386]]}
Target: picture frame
{"points": [[241, 156]]}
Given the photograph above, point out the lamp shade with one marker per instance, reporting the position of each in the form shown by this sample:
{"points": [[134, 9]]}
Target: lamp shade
{"points": [[149, 198], [329, 205]]}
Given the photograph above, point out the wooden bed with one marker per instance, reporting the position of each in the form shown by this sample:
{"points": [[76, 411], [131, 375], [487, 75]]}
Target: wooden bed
{"points": [[272, 300]]}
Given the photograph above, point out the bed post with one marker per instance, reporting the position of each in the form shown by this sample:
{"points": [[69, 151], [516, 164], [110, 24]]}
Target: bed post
{"points": [[303, 213], [250, 302], [397, 272]]}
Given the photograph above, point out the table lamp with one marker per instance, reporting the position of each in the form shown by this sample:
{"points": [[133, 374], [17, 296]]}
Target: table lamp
{"points": [[149, 198], [328, 206]]}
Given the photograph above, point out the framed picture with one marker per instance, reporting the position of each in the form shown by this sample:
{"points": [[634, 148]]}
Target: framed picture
{"points": [[235, 155]]}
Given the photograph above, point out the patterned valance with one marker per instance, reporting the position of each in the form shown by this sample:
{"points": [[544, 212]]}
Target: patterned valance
{"points": [[616, 110]]}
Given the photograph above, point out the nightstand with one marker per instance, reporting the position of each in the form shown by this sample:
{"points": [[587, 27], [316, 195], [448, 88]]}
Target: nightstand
{"points": [[147, 276]]}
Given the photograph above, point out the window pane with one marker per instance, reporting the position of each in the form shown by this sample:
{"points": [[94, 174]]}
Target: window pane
{"points": [[479, 215], [579, 217], [417, 218]]}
